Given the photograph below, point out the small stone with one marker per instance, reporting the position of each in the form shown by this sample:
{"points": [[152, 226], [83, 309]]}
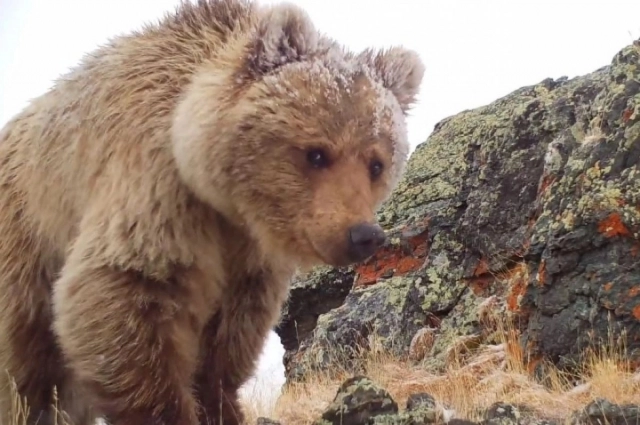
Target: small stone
{"points": [[602, 411], [420, 400], [266, 421], [502, 414], [417, 417], [421, 410], [358, 401]]}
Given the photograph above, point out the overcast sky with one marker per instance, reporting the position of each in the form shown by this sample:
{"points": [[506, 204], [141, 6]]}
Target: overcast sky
{"points": [[475, 51]]}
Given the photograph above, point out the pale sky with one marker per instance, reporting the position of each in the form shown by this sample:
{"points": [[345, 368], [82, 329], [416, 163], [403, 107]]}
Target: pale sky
{"points": [[474, 51]]}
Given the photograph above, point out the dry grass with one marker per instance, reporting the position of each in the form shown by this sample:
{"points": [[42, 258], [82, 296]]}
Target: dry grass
{"points": [[472, 382], [20, 409], [258, 401]]}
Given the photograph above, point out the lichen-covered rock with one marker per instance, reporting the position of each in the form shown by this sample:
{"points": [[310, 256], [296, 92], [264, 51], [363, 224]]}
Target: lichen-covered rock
{"points": [[310, 296], [266, 421], [584, 242], [422, 416], [390, 310], [357, 402], [532, 202], [502, 414], [421, 410], [457, 421], [601, 411], [420, 401]]}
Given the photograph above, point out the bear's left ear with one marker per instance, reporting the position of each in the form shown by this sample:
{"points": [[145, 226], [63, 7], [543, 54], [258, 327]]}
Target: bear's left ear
{"points": [[400, 70], [285, 34]]}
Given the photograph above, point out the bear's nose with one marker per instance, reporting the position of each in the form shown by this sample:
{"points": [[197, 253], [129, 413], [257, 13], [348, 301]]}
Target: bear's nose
{"points": [[364, 240]]}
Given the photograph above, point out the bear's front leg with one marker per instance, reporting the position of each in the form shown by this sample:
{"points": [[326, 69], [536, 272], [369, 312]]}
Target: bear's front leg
{"points": [[216, 390], [232, 342], [131, 343]]}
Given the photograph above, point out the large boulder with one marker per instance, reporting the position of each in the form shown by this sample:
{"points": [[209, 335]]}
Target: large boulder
{"points": [[532, 201]]}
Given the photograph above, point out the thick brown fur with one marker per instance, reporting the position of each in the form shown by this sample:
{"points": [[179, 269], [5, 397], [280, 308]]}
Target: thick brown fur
{"points": [[158, 199]]}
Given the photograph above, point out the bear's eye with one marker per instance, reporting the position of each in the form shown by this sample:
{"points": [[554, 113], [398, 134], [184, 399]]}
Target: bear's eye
{"points": [[375, 168], [318, 158]]}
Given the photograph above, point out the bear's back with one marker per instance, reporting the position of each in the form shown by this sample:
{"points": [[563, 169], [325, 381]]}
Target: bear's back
{"points": [[103, 129]]}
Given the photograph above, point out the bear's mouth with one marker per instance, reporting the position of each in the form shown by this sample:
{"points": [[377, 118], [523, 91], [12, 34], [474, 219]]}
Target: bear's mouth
{"points": [[314, 249]]}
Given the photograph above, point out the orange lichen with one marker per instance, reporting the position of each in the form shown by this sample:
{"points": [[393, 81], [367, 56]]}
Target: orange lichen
{"points": [[608, 286], [479, 285], [636, 312], [517, 290], [613, 226], [481, 268], [395, 260], [545, 183], [481, 279], [634, 292], [518, 284]]}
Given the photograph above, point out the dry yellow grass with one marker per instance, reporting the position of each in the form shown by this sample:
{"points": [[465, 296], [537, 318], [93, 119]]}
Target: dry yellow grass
{"points": [[473, 382]]}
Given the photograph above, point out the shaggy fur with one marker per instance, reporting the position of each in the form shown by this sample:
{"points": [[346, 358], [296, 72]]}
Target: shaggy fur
{"points": [[158, 199]]}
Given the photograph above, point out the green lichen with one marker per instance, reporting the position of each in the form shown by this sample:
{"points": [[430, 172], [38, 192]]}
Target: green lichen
{"points": [[396, 289], [359, 400], [422, 416]]}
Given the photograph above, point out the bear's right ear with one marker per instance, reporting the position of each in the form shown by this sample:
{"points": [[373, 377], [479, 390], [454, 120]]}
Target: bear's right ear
{"points": [[285, 34], [399, 69]]}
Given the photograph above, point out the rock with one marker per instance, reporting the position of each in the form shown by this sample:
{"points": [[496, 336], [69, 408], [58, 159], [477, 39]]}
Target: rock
{"points": [[420, 401], [390, 312], [601, 411], [311, 295], [421, 410], [502, 414], [529, 204], [584, 243], [266, 421], [416, 417], [357, 402]]}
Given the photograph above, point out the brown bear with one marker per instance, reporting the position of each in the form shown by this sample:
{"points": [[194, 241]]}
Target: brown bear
{"points": [[156, 202]]}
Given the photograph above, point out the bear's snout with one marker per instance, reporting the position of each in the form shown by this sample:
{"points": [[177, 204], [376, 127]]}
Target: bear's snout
{"points": [[363, 240]]}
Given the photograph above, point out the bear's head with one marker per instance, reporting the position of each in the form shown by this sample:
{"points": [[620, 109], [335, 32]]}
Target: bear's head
{"points": [[296, 139]]}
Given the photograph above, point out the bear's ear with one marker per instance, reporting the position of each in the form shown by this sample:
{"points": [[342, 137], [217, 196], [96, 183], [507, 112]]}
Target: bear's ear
{"points": [[285, 34], [400, 70]]}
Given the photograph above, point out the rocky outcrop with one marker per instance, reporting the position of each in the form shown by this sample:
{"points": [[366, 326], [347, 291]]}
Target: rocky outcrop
{"points": [[601, 411], [531, 202]]}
